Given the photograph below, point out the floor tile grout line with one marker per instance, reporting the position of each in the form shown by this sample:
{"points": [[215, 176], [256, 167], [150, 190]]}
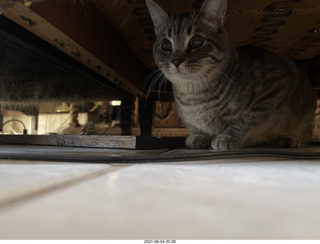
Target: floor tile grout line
{"points": [[17, 200]]}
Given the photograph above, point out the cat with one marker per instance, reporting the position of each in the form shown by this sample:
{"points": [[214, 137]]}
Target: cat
{"points": [[230, 98]]}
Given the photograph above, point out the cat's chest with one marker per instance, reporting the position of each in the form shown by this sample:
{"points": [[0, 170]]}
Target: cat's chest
{"points": [[203, 117]]}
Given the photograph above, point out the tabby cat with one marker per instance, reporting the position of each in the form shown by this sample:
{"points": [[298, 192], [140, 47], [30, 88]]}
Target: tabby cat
{"points": [[230, 98]]}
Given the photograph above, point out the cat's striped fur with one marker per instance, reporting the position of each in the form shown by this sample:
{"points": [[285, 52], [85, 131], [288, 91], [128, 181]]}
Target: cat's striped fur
{"points": [[230, 98]]}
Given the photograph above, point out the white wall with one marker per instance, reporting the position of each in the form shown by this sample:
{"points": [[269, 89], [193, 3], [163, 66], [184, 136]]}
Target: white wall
{"points": [[55, 123]]}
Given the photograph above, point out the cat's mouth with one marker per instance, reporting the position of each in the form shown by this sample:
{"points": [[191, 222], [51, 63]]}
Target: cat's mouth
{"points": [[178, 72], [181, 74], [181, 70]]}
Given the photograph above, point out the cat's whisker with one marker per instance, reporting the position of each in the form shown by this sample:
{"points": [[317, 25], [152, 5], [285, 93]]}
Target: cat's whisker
{"points": [[152, 73], [222, 73], [202, 82], [165, 84], [160, 86], [154, 81], [212, 86], [148, 77]]}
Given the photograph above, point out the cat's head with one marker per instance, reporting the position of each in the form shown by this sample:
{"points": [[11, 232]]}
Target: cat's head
{"points": [[190, 47]]}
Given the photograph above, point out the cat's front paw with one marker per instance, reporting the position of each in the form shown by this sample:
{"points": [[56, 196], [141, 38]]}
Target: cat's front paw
{"points": [[225, 142], [290, 141], [198, 141]]}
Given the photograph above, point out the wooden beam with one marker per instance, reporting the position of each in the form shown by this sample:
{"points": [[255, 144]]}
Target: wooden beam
{"points": [[83, 33], [62, 77], [94, 141]]}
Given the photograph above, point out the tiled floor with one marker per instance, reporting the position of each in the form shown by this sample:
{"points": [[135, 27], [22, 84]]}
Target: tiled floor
{"points": [[240, 198]]}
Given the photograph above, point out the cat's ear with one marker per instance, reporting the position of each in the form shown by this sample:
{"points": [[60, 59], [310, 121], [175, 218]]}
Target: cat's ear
{"points": [[158, 15], [215, 10]]}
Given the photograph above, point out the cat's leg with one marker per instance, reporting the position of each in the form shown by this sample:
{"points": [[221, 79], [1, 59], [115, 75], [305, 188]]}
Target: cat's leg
{"points": [[299, 135], [226, 142], [290, 141], [232, 137], [197, 139]]}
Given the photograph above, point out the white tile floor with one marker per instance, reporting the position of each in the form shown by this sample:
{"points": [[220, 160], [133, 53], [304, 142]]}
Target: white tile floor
{"points": [[255, 198]]}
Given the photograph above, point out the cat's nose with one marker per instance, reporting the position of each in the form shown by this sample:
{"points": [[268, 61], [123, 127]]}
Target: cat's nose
{"points": [[177, 61]]}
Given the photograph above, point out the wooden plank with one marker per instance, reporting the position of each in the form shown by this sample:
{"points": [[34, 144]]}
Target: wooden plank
{"points": [[94, 141], [128, 142], [85, 35]]}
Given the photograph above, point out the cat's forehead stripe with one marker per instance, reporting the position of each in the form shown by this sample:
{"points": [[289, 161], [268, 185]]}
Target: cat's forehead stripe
{"points": [[189, 29], [181, 24]]}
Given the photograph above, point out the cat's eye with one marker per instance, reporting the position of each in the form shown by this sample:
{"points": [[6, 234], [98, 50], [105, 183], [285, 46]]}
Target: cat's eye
{"points": [[196, 41], [166, 45]]}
